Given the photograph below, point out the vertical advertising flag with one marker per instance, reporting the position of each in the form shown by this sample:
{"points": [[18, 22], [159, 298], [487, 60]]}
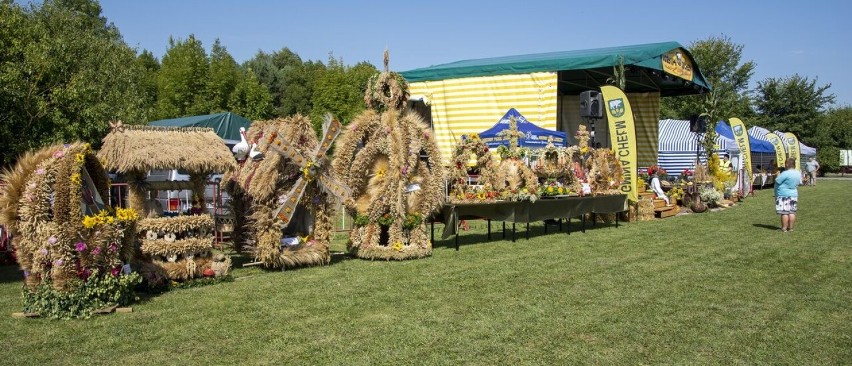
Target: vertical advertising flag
{"points": [[780, 153], [741, 136], [622, 134], [793, 148]]}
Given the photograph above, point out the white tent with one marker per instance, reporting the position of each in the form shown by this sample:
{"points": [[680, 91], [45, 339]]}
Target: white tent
{"points": [[678, 146]]}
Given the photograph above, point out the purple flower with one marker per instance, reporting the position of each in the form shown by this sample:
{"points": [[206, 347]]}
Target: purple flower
{"points": [[58, 262], [81, 246], [404, 170], [113, 247], [26, 274], [43, 251], [96, 251], [40, 171], [51, 240]]}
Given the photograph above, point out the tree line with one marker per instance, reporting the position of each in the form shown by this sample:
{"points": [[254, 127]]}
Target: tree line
{"points": [[66, 71]]}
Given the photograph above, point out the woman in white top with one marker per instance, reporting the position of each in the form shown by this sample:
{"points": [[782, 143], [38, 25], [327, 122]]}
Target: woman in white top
{"points": [[654, 181]]}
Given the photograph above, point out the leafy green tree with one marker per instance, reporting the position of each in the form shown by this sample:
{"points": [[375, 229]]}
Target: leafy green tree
{"points": [[65, 72], [149, 67], [794, 104], [339, 90], [182, 80], [250, 99], [720, 61], [834, 133], [289, 80], [222, 79]]}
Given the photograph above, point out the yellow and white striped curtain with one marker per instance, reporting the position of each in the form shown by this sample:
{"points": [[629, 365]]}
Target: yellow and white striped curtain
{"points": [[646, 112], [472, 105]]}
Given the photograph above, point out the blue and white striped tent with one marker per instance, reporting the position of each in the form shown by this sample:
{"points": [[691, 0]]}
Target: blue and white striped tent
{"points": [[678, 146], [762, 161]]}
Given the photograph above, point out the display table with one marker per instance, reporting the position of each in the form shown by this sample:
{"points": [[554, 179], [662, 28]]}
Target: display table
{"points": [[762, 179], [526, 211]]}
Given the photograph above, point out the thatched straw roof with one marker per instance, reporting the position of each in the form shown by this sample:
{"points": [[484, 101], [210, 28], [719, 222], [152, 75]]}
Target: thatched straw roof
{"points": [[145, 148]]}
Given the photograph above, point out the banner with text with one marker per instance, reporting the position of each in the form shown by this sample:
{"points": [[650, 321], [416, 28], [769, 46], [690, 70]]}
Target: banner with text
{"points": [[780, 152], [741, 136], [622, 136], [793, 148]]}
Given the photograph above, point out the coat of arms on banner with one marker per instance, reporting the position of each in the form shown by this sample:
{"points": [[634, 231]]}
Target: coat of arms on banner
{"points": [[616, 107], [738, 130]]}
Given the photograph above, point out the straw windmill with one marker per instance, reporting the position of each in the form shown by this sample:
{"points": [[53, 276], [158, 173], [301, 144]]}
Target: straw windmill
{"points": [[178, 247], [283, 203], [65, 233], [312, 170], [391, 162]]}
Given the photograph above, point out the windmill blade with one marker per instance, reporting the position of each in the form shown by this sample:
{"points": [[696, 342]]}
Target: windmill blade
{"points": [[290, 201], [330, 130], [288, 152], [334, 187]]}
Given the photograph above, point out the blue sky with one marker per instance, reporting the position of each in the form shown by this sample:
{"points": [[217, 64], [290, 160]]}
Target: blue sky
{"points": [[809, 38]]}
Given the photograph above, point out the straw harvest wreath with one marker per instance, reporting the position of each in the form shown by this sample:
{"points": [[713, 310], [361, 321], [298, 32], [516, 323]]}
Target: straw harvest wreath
{"points": [[471, 156], [392, 164], [283, 203], [67, 239]]}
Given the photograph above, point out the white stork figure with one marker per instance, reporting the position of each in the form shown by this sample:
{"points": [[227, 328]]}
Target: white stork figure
{"points": [[241, 149]]}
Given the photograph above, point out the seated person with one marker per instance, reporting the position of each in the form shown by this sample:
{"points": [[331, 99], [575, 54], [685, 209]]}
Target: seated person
{"points": [[654, 182]]}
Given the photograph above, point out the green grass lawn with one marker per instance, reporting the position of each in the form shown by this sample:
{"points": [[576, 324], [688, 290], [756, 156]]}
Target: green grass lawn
{"points": [[721, 287]]}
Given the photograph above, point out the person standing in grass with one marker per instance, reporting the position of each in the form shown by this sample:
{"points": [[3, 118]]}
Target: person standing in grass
{"points": [[787, 194], [812, 166]]}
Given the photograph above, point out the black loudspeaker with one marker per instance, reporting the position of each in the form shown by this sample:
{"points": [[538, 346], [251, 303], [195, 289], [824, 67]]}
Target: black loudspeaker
{"points": [[591, 104], [697, 124]]}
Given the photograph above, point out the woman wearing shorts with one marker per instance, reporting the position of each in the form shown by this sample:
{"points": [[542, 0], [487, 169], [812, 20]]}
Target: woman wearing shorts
{"points": [[787, 194]]}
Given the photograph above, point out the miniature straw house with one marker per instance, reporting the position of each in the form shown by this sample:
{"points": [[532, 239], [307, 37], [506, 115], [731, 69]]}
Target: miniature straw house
{"points": [[180, 246]]}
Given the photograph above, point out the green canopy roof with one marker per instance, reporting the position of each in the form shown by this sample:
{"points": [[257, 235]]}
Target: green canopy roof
{"points": [[582, 69], [226, 124]]}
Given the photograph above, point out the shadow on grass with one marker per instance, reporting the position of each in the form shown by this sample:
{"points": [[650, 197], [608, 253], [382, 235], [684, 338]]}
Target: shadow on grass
{"points": [[536, 229], [11, 273], [765, 226]]}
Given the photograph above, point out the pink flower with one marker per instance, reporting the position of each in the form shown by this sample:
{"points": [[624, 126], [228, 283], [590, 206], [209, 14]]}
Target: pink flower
{"points": [[40, 171], [51, 240], [84, 274], [43, 252], [81, 246], [58, 153], [96, 251], [113, 247], [58, 262], [115, 271]]}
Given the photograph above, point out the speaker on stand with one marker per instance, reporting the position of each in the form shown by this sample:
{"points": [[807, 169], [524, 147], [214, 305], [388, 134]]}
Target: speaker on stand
{"points": [[591, 109]]}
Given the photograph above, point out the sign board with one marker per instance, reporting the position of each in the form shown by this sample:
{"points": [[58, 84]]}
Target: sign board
{"points": [[845, 157]]}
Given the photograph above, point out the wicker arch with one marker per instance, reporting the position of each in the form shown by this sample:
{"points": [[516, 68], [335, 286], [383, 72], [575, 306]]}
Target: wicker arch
{"points": [[255, 188], [393, 166]]}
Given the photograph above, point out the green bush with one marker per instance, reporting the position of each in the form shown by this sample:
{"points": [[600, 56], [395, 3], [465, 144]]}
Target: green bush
{"points": [[98, 292]]}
